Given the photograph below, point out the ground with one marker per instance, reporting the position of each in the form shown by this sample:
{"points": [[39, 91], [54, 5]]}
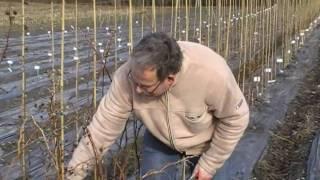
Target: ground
{"points": [[288, 150], [286, 153]]}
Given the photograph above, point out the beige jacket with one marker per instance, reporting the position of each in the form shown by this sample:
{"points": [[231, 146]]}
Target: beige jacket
{"points": [[204, 113]]}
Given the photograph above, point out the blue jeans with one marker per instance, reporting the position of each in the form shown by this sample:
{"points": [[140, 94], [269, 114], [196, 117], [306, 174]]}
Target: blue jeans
{"points": [[156, 155]]}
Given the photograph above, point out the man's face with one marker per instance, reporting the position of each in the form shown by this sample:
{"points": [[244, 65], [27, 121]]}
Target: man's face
{"points": [[146, 81]]}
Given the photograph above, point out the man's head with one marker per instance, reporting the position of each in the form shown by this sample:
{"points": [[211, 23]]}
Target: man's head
{"points": [[154, 63]]}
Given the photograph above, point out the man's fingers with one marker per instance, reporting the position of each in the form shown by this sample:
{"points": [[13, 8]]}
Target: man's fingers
{"points": [[195, 173], [203, 175]]}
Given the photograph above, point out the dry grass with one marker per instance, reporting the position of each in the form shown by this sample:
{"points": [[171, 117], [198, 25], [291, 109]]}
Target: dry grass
{"points": [[38, 13], [38, 17]]}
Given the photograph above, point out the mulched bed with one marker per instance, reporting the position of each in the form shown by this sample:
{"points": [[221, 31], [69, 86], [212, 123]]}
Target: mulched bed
{"points": [[289, 147]]}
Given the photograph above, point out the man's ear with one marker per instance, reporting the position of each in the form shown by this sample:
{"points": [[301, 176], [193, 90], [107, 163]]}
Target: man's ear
{"points": [[171, 78]]}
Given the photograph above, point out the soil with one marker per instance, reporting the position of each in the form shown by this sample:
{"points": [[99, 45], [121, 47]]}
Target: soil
{"points": [[288, 150]]}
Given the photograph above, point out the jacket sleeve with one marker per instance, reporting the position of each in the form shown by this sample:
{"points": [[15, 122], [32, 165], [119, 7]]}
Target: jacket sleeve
{"points": [[228, 105], [107, 124]]}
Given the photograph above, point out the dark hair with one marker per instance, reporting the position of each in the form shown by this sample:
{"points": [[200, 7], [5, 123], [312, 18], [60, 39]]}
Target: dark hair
{"points": [[158, 50]]}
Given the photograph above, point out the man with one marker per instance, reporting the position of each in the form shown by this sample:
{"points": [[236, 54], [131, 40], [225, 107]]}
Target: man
{"points": [[187, 98]]}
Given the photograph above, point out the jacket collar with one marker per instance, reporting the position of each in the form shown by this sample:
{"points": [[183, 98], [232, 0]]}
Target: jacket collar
{"points": [[184, 67]]}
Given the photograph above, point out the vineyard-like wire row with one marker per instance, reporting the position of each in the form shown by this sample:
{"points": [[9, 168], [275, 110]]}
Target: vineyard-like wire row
{"points": [[51, 80]]}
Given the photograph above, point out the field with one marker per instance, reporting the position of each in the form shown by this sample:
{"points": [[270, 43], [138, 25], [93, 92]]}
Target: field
{"points": [[56, 64], [288, 152]]}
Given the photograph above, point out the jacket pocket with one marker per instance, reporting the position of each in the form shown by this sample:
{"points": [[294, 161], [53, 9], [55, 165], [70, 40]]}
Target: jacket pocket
{"points": [[193, 117], [196, 121]]}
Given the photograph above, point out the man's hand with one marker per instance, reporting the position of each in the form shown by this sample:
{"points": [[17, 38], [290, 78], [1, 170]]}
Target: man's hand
{"points": [[200, 174], [75, 173]]}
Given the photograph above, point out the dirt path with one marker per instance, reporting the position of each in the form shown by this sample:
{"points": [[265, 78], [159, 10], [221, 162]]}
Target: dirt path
{"points": [[288, 151]]}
